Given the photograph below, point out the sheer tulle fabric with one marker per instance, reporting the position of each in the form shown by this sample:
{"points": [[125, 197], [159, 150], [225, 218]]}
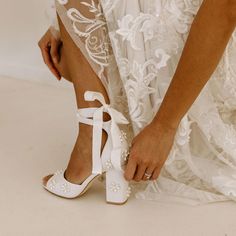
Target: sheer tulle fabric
{"points": [[134, 47]]}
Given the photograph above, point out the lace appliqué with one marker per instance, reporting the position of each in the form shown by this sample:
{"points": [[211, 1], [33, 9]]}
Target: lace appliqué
{"points": [[92, 31]]}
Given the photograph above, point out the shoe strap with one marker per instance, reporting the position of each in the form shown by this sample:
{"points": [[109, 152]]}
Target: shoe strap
{"points": [[94, 117], [85, 116]]}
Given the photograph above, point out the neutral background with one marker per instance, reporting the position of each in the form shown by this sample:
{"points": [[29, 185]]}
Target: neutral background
{"points": [[22, 23], [38, 129]]}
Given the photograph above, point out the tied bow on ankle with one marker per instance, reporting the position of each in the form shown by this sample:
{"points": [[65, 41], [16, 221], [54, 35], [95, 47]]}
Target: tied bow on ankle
{"points": [[97, 121]]}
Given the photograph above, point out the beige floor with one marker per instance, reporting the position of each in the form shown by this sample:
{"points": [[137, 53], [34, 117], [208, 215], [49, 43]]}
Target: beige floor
{"points": [[37, 131]]}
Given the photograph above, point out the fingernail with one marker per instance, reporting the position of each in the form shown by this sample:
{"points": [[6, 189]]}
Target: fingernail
{"points": [[54, 59]]}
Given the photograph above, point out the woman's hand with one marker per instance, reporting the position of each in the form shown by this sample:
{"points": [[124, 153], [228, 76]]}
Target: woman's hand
{"points": [[50, 48], [149, 151]]}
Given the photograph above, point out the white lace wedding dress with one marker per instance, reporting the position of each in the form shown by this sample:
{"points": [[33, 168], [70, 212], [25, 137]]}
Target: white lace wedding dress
{"points": [[134, 47]]}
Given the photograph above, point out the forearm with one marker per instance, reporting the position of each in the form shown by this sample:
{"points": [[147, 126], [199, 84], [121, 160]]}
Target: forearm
{"points": [[207, 40]]}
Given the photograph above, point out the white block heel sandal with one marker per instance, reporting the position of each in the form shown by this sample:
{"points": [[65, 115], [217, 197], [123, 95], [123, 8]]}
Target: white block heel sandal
{"points": [[111, 161]]}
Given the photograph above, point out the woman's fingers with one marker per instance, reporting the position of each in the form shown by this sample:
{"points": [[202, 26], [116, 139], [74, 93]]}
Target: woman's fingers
{"points": [[130, 169], [49, 45], [62, 65], [55, 46], [156, 173], [140, 172], [149, 171], [48, 61]]}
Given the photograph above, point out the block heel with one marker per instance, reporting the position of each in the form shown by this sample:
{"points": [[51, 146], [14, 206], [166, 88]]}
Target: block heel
{"points": [[117, 188]]}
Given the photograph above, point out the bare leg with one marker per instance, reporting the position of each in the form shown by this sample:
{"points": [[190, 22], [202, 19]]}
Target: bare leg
{"points": [[75, 68]]}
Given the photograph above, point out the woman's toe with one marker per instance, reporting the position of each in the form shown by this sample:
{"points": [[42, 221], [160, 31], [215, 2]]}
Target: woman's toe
{"points": [[45, 179]]}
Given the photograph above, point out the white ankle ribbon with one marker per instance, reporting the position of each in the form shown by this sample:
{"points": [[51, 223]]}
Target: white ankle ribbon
{"points": [[116, 118]]}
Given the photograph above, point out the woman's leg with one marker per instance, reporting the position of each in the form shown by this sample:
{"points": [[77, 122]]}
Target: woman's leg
{"points": [[75, 68]]}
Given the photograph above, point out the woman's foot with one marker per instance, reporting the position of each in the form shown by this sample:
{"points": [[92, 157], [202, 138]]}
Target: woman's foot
{"points": [[80, 164]]}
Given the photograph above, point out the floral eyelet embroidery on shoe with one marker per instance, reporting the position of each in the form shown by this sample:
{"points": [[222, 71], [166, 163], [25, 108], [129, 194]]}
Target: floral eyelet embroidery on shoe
{"points": [[123, 136], [108, 165], [125, 155], [115, 187], [52, 184], [65, 188], [128, 191]]}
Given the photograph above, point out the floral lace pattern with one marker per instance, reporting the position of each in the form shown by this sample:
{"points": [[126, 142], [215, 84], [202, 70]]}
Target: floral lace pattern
{"points": [[138, 44]]}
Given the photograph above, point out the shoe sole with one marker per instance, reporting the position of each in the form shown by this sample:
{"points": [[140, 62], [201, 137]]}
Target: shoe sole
{"points": [[116, 203]]}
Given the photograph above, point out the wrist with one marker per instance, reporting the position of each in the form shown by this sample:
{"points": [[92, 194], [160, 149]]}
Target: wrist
{"points": [[171, 123]]}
